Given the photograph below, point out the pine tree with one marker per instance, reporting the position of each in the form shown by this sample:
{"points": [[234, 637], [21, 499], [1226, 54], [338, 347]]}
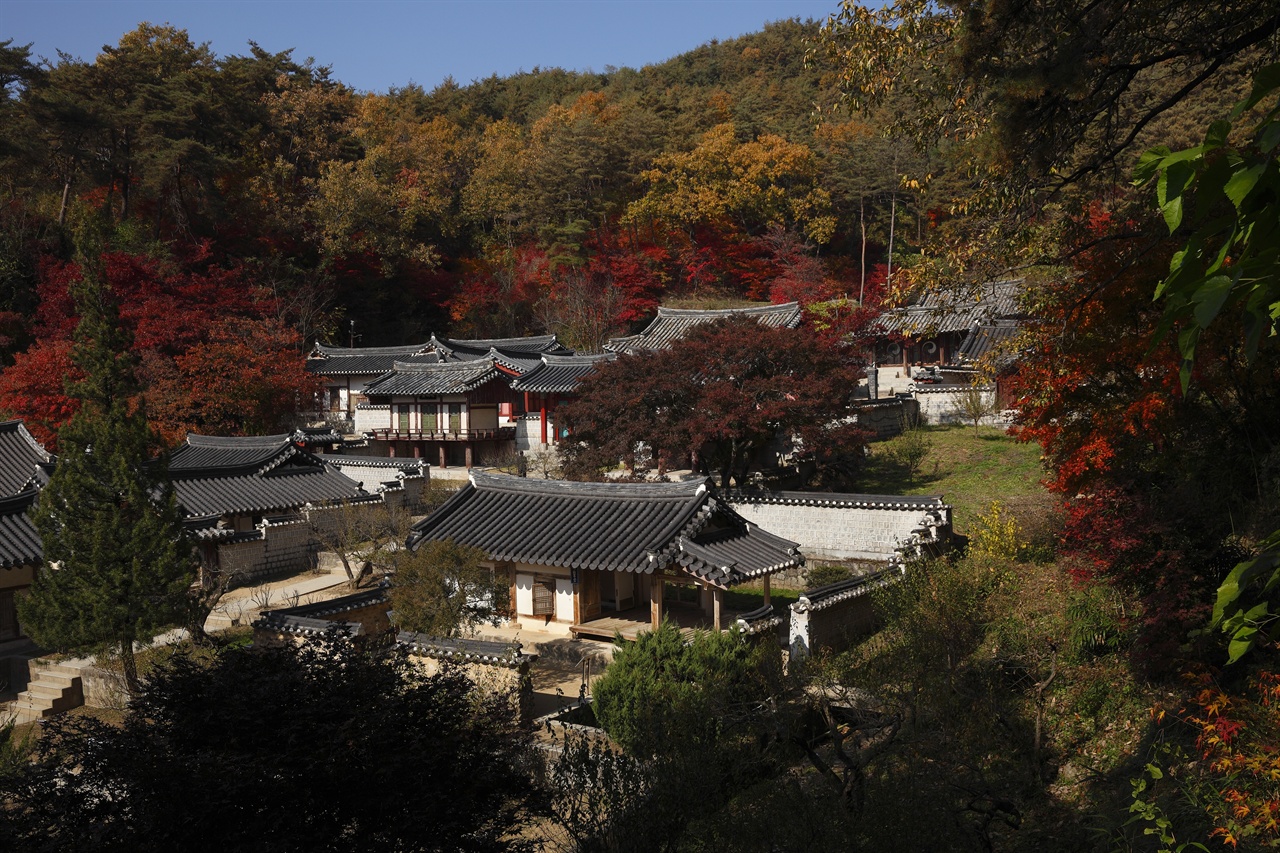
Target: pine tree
{"points": [[117, 561]]}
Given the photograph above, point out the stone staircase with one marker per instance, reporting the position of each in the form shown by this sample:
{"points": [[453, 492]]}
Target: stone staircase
{"points": [[55, 687]]}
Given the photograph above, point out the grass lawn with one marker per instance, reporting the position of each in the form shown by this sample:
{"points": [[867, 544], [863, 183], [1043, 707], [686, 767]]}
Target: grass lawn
{"points": [[969, 468]]}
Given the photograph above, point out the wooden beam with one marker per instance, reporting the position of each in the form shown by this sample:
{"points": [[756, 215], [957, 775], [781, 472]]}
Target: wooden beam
{"points": [[655, 600]]}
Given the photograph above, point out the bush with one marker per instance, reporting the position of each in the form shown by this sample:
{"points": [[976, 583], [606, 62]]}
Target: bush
{"points": [[827, 573]]}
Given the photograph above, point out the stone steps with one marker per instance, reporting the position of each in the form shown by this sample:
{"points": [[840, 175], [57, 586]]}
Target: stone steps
{"points": [[54, 689]]}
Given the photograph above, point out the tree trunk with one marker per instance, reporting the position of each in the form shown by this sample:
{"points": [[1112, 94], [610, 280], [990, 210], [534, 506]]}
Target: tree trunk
{"points": [[893, 213], [862, 262], [130, 666]]}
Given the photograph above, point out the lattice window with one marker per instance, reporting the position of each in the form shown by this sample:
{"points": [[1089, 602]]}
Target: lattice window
{"points": [[544, 596]]}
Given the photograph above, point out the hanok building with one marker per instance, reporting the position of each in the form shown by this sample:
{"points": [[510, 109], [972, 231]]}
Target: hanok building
{"points": [[597, 559], [24, 470], [232, 490], [345, 371], [452, 414], [672, 324], [943, 335], [553, 381]]}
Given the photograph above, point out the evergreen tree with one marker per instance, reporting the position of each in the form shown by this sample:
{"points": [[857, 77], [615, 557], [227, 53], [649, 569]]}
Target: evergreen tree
{"points": [[117, 561]]}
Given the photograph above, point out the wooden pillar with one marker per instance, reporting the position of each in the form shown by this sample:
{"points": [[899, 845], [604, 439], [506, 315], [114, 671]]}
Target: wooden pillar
{"points": [[442, 456], [544, 420], [655, 600], [417, 450], [717, 603], [391, 449], [766, 589], [468, 452]]}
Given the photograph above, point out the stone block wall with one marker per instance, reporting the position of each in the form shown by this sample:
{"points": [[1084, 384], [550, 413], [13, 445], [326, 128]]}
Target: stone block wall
{"points": [[845, 527], [290, 546], [371, 416], [886, 418], [244, 561], [835, 628], [835, 616], [529, 431], [940, 404]]}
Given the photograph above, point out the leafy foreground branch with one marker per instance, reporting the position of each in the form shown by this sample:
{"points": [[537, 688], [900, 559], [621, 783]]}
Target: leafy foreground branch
{"points": [[327, 746]]}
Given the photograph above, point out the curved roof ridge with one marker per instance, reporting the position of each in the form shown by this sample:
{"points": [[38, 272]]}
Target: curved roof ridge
{"points": [[578, 358], [778, 307], [237, 440], [442, 366], [404, 349], [571, 488]]}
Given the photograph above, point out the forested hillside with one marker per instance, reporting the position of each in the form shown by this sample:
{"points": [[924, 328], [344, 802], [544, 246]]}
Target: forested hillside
{"points": [[1120, 158], [254, 187]]}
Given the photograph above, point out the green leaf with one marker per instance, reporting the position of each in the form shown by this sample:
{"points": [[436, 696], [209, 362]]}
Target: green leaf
{"points": [[1216, 135], [1242, 183], [1209, 299], [1265, 81], [1148, 164]]}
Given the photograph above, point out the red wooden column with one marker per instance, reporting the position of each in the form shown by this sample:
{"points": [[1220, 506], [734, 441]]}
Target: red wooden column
{"points": [[544, 420]]}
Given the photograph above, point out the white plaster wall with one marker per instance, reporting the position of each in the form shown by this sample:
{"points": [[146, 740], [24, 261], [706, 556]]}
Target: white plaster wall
{"points": [[564, 600], [524, 593], [367, 419], [940, 407], [835, 533]]}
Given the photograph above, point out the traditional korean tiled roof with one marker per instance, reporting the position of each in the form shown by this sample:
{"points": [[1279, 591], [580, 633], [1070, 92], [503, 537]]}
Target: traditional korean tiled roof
{"points": [[939, 311], [464, 650], [322, 616], [673, 323], [362, 361], [621, 527], [415, 380], [227, 475], [517, 362], [316, 436], [19, 542], [560, 374], [988, 340], [21, 456], [374, 361], [468, 349], [833, 593]]}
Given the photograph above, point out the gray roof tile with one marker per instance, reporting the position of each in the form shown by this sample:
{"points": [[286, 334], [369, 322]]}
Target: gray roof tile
{"points": [[560, 374], [631, 527], [673, 323], [19, 542], [413, 380], [20, 456], [215, 475]]}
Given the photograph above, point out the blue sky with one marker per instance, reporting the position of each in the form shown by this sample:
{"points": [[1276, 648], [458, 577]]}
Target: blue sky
{"points": [[373, 45]]}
